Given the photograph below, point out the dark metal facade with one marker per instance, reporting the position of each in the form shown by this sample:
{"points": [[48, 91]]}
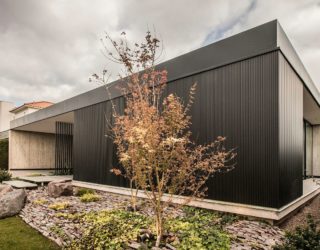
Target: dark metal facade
{"points": [[243, 101], [64, 148]]}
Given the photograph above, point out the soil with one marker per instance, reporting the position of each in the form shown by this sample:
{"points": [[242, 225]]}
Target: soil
{"points": [[300, 218]]}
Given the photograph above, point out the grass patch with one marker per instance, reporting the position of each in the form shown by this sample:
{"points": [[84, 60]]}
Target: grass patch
{"points": [[15, 234]]}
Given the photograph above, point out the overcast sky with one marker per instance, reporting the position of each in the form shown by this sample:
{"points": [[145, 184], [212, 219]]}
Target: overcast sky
{"points": [[49, 48]]}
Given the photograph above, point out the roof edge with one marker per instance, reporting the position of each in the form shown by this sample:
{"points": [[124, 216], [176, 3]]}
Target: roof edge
{"points": [[249, 43], [292, 56]]}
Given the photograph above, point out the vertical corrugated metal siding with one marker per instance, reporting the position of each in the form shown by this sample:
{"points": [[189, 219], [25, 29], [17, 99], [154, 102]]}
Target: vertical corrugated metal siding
{"points": [[239, 101], [290, 132]]}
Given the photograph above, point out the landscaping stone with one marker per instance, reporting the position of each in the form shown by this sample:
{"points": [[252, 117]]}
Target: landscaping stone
{"points": [[12, 202], [5, 189], [254, 235], [62, 228], [60, 188]]}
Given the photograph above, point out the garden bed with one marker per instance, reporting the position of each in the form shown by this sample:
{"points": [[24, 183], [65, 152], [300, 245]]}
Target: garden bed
{"points": [[67, 220]]}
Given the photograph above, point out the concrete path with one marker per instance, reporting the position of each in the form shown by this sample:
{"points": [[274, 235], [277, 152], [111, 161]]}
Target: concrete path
{"points": [[20, 184], [41, 180]]}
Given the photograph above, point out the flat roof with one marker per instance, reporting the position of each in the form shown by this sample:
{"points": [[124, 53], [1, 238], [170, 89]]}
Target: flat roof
{"points": [[253, 42]]}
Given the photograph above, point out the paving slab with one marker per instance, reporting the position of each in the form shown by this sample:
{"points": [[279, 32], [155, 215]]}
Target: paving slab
{"points": [[46, 179], [20, 184]]}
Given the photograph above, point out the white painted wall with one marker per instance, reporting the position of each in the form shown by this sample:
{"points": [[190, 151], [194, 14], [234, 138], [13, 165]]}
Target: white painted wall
{"points": [[24, 112], [5, 115]]}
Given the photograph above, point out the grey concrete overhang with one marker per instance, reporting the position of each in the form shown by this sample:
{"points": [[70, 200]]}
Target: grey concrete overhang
{"points": [[253, 42]]}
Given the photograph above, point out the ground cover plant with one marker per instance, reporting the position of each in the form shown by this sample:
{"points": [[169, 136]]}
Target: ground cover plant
{"points": [[59, 206], [89, 197], [118, 229], [154, 146], [17, 235], [306, 237], [82, 191]]}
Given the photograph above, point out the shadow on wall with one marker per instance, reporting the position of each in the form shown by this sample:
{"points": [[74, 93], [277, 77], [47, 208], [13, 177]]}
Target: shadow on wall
{"points": [[4, 145]]}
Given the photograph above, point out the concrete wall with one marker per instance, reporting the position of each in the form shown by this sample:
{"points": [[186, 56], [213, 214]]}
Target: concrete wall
{"points": [[5, 115], [29, 150], [316, 150]]}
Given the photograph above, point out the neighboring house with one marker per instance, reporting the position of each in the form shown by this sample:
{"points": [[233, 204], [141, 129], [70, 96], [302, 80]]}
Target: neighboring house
{"points": [[252, 88], [5, 118], [28, 108]]}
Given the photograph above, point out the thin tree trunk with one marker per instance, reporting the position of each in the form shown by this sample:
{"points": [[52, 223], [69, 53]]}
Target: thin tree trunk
{"points": [[159, 228]]}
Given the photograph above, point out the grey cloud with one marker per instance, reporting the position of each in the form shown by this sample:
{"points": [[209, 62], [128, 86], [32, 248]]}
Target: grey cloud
{"points": [[48, 49]]}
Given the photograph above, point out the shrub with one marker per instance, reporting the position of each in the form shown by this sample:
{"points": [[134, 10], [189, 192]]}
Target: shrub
{"points": [[90, 197], [111, 229], [40, 202], [4, 175], [198, 230], [4, 145], [307, 237], [59, 206], [82, 191]]}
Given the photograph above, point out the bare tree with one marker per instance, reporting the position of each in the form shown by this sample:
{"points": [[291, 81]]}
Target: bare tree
{"points": [[153, 135]]}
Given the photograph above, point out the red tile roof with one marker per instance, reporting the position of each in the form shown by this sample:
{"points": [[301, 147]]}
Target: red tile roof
{"points": [[35, 105]]}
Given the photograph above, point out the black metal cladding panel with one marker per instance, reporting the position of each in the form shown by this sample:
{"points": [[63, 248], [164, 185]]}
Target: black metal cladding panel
{"points": [[290, 132], [94, 153], [238, 101], [63, 148]]}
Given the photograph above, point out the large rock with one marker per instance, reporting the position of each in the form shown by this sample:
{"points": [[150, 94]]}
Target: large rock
{"points": [[60, 188], [12, 202], [5, 189]]}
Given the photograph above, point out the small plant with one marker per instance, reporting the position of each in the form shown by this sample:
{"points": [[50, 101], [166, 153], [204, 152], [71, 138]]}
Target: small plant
{"points": [[90, 197], [111, 229], [59, 232], [69, 216], [228, 219], [82, 191], [197, 230], [307, 237], [59, 206], [4, 175], [40, 202]]}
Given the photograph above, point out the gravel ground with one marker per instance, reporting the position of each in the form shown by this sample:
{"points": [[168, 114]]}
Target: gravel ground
{"points": [[62, 230], [300, 218]]}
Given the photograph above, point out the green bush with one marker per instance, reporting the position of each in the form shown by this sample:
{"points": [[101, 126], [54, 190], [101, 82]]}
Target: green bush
{"points": [[90, 197], [306, 238], [4, 145], [82, 191], [198, 230], [4, 175], [111, 229]]}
